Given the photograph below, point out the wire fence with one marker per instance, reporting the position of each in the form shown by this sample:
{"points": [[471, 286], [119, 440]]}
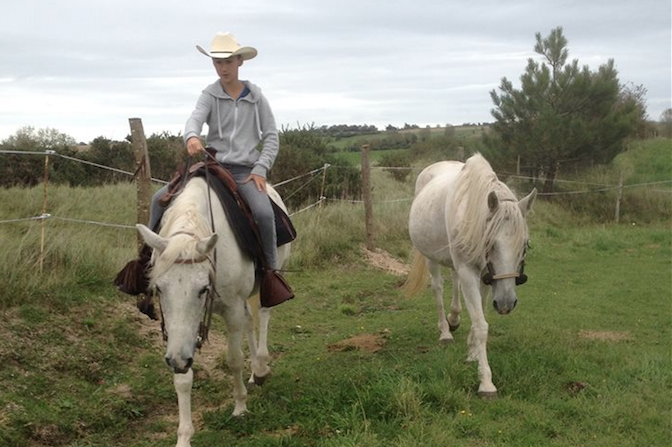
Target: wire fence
{"points": [[309, 177]]}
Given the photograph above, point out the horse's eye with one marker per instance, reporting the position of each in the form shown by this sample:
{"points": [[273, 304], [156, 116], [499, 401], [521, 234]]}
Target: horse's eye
{"points": [[204, 290]]}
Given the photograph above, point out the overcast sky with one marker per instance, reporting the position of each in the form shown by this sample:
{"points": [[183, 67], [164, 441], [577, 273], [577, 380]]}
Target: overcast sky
{"points": [[84, 67]]}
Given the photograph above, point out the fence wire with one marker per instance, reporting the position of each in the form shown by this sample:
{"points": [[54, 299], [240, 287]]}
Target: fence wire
{"points": [[313, 175]]}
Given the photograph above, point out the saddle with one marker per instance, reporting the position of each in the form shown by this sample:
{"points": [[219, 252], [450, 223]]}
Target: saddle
{"points": [[132, 279]]}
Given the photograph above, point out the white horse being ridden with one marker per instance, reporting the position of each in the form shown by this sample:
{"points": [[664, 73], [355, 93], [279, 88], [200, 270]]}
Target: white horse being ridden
{"points": [[464, 218], [190, 266]]}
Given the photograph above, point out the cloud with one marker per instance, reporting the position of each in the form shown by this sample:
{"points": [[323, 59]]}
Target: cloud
{"points": [[375, 62]]}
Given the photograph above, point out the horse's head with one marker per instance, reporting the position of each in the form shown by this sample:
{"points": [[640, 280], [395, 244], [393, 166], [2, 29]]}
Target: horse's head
{"points": [[181, 276], [505, 257]]}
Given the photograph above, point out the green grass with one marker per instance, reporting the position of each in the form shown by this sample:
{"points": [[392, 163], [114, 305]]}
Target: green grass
{"points": [[355, 158], [62, 369], [647, 162], [461, 132], [584, 359]]}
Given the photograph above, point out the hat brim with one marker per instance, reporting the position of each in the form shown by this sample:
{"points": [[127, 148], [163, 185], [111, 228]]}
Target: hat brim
{"points": [[245, 53]]}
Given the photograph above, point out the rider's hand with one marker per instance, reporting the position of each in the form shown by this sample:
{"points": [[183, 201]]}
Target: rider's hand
{"points": [[258, 180], [194, 146]]}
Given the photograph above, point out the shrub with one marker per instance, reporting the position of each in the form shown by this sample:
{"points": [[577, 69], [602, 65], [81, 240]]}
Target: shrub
{"points": [[399, 160]]}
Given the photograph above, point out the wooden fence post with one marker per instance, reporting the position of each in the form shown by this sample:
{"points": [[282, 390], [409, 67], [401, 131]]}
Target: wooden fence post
{"points": [[366, 195], [459, 153], [619, 195], [143, 174]]}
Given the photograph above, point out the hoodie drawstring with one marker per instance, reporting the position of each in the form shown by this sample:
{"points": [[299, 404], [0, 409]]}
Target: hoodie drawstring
{"points": [[256, 116], [219, 119]]}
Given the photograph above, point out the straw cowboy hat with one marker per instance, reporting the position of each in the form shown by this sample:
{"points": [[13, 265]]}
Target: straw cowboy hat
{"points": [[224, 45]]}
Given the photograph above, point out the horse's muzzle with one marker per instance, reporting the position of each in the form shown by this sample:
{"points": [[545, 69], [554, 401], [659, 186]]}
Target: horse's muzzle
{"points": [[177, 368], [503, 308]]}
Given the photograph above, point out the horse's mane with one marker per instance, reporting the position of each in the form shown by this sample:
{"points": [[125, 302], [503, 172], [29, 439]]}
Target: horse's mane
{"points": [[184, 217], [474, 233]]}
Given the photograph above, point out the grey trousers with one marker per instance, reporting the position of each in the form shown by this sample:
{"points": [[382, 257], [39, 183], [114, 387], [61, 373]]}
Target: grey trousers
{"points": [[258, 201]]}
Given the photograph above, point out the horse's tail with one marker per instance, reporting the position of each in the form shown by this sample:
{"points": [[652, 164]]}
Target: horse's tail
{"points": [[417, 276]]}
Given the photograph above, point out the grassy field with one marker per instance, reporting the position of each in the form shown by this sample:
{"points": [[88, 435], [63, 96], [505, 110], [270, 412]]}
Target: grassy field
{"points": [[461, 132], [583, 361]]}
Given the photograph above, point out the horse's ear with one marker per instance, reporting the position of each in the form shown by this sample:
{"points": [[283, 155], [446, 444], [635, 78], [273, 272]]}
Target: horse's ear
{"points": [[205, 245], [525, 203], [152, 239], [493, 201]]}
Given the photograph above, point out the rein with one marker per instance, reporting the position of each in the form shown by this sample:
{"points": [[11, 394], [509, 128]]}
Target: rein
{"points": [[204, 327]]}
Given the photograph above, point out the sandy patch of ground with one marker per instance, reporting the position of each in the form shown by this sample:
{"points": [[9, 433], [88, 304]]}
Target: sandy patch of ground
{"points": [[363, 342], [381, 259]]}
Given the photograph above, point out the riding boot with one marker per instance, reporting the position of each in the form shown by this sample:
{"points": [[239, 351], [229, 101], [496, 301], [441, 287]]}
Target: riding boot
{"points": [[132, 279], [145, 304], [274, 289]]}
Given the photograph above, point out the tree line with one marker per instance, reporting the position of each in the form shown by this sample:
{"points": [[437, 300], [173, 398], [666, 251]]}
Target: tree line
{"points": [[303, 150]]}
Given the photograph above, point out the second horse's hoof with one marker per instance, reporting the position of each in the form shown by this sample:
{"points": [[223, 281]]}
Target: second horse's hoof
{"points": [[259, 381], [487, 395]]}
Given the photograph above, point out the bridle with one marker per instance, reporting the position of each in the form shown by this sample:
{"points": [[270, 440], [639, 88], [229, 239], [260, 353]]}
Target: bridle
{"points": [[204, 326]]}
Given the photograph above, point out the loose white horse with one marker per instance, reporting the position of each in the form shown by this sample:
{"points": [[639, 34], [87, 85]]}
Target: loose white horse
{"points": [[190, 266], [464, 218]]}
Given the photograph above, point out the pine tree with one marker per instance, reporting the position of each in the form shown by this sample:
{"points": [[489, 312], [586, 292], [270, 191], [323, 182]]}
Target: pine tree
{"points": [[563, 114]]}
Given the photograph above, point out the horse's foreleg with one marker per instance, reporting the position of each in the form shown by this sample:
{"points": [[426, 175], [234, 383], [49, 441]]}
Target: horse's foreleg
{"points": [[455, 304], [478, 336], [235, 323], [437, 288], [185, 429]]}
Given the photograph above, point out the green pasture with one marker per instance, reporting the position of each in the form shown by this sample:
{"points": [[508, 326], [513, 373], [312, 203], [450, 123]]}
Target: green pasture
{"points": [[355, 158], [584, 360], [460, 132]]}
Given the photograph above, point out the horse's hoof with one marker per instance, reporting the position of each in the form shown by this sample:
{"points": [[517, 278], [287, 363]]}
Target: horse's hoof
{"points": [[487, 395], [446, 341], [453, 327], [259, 380]]}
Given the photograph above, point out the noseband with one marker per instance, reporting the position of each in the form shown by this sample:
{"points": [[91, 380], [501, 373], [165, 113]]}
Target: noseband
{"points": [[490, 276]]}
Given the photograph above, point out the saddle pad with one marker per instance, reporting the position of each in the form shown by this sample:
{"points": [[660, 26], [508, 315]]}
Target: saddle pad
{"points": [[243, 226]]}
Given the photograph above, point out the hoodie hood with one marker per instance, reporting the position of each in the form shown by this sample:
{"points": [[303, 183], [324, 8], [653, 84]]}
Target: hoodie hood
{"points": [[236, 127]]}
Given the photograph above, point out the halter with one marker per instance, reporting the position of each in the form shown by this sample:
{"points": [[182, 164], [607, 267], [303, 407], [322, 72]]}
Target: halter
{"points": [[490, 276]]}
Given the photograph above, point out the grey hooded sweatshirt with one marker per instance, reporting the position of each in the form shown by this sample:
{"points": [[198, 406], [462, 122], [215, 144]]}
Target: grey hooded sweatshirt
{"points": [[236, 127]]}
